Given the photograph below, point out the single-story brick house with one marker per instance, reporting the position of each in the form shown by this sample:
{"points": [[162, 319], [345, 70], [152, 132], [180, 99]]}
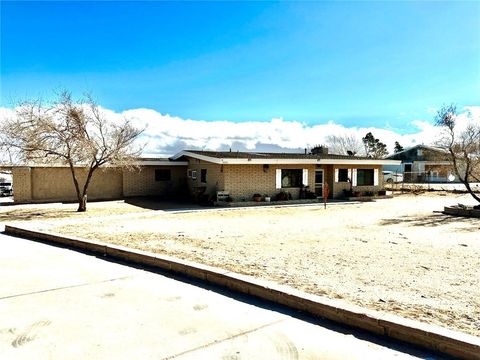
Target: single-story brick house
{"points": [[243, 174], [194, 172]]}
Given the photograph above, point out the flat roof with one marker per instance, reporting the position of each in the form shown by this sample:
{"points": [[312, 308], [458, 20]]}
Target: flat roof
{"points": [[238, 157]]}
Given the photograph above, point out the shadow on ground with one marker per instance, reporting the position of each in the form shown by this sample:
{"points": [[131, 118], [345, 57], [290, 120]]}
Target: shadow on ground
{"points": [[434, 220], [36, 214], [154, 203]]}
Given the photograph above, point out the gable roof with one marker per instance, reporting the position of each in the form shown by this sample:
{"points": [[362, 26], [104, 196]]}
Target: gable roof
{"points": [[420, 146], [237, 157]]}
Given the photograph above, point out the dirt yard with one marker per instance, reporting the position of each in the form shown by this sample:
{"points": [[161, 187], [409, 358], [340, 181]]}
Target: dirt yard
{"points": [[395, 255]]}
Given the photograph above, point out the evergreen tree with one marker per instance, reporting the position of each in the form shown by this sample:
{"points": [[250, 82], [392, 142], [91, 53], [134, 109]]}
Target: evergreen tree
{"points": [[398, 147], [374, 148]]}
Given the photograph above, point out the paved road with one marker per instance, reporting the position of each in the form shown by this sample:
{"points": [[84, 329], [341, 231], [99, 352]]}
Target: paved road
{"points": [[60, 304]]}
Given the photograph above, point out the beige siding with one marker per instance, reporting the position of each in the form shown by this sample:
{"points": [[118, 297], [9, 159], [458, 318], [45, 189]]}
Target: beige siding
{"points": [[141, 182]]}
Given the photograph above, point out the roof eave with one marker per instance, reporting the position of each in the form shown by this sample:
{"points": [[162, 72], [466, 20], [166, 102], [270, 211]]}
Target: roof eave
{"points": [[359, 162], [273, 161], [196, 156], [160, 163]]}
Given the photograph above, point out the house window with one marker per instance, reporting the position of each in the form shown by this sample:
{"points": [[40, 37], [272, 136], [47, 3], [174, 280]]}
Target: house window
{"points": [[419, 152], [203, 175], [194, 174], [292, 178], [163, 175], [189, 173], [365, 177], [342, 175]]}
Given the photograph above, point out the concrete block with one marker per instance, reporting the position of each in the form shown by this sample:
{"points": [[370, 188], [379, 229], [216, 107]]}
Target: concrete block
{"points": [[158, 262], [263, 292], [459, 352], [411, 337], [195, 273], [119, 253], [362, 321], [322, 311], [218, 279]]}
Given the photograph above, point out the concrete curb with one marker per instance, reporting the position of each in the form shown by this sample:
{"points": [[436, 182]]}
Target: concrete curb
{"points": [[428, 336]]}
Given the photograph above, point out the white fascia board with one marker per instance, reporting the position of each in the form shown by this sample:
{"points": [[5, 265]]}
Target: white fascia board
{"points": [[359, 162], [161, 163], [268, 161], [310, 161], [178, 155], [136, 163], [30, 165], [197, 156], [437, 162], [228, 161]]}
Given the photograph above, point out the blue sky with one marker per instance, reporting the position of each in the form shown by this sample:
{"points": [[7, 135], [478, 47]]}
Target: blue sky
{"points": [[359, 64]]}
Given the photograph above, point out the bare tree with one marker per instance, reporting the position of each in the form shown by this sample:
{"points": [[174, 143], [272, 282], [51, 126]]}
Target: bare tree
{"points": [[344, 144], [463, 146], [73, 134]]}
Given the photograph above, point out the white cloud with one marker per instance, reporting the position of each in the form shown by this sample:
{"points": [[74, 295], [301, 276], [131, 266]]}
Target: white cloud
{"points": [[165, 134]]}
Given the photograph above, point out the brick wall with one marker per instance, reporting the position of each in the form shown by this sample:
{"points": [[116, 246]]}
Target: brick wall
{"points": [[22, 184], [215, 177], [44, 184], [56, 184], [242, 181], [340, 186], [141, 182]]}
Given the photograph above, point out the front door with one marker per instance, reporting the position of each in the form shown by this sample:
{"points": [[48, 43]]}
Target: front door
{"points": [[319, 183]]}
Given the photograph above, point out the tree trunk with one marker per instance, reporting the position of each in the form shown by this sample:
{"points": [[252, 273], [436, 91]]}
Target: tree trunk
{"points": [[470, 191], [82, 204]]}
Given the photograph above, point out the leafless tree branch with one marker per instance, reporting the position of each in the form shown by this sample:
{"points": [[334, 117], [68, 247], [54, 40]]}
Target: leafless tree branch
{"points": [[70, 133], [463, 146]]}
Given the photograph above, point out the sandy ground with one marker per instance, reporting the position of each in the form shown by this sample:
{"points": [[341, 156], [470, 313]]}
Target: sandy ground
{"points": [[395, 255]]}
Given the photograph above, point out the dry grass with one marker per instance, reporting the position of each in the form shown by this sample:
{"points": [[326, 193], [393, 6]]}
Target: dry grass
{"points": [[393, 255], [55, 212]]}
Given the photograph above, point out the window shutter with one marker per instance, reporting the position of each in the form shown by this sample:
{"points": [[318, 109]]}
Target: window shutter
{"points": [[375, 177], [278, 179], [305, 177], [350, 174], [354, 177], [336, 175]]}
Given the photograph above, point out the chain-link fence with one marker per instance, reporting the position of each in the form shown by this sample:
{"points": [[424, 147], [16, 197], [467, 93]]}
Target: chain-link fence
{"points": [[424, 180], [424, 177]]}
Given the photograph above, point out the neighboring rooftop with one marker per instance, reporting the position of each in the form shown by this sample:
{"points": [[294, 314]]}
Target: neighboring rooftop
{"points": [[405, 152]]}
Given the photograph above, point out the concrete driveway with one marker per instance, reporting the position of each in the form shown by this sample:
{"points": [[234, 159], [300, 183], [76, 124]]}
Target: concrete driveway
{"points": [[60, 304]]}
